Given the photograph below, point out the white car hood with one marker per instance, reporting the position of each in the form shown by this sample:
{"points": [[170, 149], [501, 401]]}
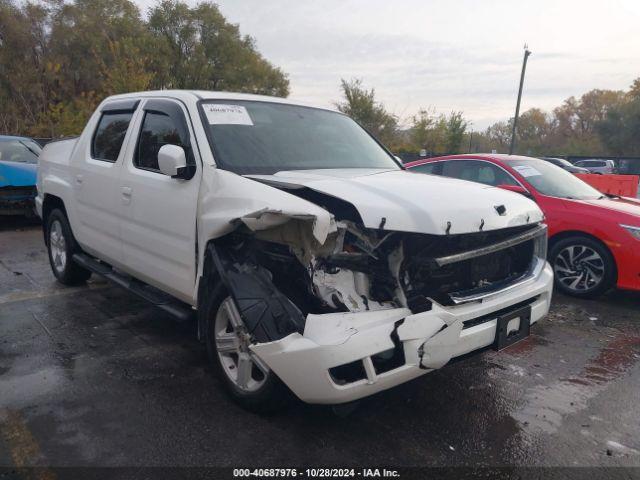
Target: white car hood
{"points": [[413, 202]]}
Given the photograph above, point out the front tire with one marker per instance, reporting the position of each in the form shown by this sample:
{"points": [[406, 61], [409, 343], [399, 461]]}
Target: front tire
{"points": [[582, 267], [61, 246], [247, 379]]}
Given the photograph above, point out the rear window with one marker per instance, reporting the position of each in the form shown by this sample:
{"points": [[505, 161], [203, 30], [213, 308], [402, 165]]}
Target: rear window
{"points": [[109, 135]]}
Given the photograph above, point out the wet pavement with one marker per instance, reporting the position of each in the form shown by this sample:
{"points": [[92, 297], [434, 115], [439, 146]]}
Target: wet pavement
{"points": [[93, 376]]}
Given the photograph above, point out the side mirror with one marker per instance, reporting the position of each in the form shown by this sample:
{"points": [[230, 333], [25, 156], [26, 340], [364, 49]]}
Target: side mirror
{"points": [[172, 161], [517, 189]]}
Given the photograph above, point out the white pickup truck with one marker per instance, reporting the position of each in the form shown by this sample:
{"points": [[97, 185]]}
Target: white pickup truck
{"points": [[312, 258]]}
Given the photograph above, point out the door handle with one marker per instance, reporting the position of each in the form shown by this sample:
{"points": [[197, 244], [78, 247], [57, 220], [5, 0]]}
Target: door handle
{"points": [[126, 194], [79, 179]]}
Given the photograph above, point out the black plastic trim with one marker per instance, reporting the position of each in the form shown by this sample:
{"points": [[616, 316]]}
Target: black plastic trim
{"points": [[121, 106]]}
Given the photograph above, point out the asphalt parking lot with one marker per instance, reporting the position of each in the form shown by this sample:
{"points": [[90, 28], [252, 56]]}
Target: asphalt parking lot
{"points": [[93, 376]]}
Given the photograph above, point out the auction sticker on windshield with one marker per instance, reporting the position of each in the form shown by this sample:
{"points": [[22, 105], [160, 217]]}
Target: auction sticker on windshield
{"points": [[219, 114], [526, 170]]}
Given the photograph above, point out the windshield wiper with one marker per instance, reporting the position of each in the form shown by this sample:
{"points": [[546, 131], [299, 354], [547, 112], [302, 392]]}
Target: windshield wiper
{"points": [[30, 149]]}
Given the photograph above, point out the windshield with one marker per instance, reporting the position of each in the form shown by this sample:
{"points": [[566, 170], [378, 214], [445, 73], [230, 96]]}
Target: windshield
{"points": [[548, 179], [264, 138], [562, 161], [23, 151]]}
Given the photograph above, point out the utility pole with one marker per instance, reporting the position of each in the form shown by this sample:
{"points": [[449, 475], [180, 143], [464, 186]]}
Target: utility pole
{"points": [[515, 119]]}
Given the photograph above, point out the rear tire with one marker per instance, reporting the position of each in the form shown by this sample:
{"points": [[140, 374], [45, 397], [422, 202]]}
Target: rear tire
{"points": [[61, 246], [582, 267], [245, 377]]}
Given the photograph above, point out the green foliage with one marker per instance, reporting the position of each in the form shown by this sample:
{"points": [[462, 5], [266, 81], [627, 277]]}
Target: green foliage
{"points": [[437, 134], [59, 59], [361, 105], [620, 130], [202, 50], [573, 128], [456, 127]]}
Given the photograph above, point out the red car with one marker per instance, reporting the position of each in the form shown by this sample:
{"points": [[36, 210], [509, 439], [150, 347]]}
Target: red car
{"points": [[594, 239]]}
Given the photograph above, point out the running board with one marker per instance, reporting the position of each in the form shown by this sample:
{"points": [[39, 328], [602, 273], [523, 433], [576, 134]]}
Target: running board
{"points": [[182, 311]]}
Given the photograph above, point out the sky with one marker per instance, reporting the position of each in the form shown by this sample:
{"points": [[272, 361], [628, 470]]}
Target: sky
{"points": [[446, 55]]}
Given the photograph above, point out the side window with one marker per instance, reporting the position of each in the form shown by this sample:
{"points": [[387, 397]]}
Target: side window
{"points": [[434, 168], [109, 135], [158, 129], [477, 171], [164, 123], [590, 163]]}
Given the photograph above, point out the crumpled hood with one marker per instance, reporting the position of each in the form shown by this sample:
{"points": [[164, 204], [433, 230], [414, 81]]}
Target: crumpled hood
{"points": [[16, 174], [412, 202]]}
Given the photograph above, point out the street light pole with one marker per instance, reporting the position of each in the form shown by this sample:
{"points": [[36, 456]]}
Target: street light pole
{"points": [[515, 119]]}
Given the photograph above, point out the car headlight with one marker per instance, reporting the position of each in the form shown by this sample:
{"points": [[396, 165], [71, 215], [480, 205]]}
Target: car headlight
{"points": [[635, 231]]}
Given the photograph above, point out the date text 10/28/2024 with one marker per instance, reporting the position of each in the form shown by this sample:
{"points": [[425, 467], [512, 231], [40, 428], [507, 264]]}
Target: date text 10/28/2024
{"points": [[315, 472]]}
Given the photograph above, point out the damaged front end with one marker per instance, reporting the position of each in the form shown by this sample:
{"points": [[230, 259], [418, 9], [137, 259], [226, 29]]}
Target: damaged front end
{"points": [[344, 313]]}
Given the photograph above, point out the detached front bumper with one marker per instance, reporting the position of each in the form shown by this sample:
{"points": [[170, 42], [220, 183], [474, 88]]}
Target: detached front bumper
{"points": [[428, 340]]}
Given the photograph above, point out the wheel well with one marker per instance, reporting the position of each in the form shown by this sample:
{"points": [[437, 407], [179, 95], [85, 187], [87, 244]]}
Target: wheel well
{"points": [[50, 203], [576, 233]]}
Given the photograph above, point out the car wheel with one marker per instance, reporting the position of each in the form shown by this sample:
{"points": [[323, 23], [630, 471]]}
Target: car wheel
{"points": [[583, 267], [61, 246], [245, 376]]}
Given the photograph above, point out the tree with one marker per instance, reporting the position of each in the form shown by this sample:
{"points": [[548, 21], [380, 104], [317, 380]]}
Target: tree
{"points": [[571, 129], [203, 50], [427, 132], [59, 59], [361, 105], [575, 120], [534, 128], [437, 134], [620, 130], [456, 127], [634, 90]]}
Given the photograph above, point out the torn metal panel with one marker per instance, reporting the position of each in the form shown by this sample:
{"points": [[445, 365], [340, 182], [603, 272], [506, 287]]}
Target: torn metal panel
{"points": [[266, 219], [225, 197]]}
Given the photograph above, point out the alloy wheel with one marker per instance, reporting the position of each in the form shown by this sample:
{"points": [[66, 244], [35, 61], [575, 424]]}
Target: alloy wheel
{"points": [[579, 268], [243, 367], [58, 246]]}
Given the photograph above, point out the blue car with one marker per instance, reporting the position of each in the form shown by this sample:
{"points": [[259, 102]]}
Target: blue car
{"points": [[18, 167]]}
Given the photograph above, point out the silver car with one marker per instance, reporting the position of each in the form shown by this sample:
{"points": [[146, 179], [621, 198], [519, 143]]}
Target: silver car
{"points": [[597, 165]]}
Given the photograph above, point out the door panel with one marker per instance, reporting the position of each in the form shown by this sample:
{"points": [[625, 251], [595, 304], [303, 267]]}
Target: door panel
{"points": [[158, 226], [96, 173]]}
